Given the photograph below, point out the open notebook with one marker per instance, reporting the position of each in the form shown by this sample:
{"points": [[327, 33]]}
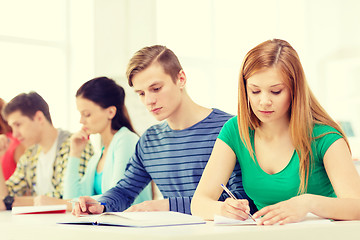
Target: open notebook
{"points": [[135, 219]]}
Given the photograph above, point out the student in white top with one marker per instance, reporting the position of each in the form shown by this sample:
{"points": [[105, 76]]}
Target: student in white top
{"points": [[40, 169]]}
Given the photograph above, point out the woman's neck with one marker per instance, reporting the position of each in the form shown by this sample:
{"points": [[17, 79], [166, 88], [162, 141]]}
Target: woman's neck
{"points": [[273, 130], [107, 136]]}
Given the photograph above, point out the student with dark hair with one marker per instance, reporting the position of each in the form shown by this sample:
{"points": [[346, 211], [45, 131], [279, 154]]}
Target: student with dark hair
{"points": [[173, 153], [101, 103], [10, 148], [40, 170]]}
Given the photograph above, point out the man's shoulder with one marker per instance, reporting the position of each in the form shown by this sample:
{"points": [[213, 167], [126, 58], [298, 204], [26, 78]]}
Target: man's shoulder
{"points": [[63, 144], [31, 152], [63, 135], [156, 129], [219, 115], [216, 119]]}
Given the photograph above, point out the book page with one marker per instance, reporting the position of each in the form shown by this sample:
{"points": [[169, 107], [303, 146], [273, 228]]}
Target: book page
{"points": [[135, 219], [147, 219]]}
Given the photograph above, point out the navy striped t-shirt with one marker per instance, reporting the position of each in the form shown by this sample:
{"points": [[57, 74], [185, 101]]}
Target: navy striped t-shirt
{"points": [[175, 160]]}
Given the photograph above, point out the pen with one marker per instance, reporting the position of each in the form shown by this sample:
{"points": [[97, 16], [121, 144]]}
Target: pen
{"points": [[233, 197], [89, 203]]}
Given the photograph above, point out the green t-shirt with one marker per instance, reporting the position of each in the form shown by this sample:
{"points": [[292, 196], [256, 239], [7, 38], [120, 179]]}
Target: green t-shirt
{"points": [[267, 189]]}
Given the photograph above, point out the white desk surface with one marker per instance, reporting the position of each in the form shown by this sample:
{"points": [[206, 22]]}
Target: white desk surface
{"points": [[43, 226]]}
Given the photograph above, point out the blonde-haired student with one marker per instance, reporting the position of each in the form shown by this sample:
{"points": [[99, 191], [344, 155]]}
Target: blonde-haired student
{"points": [[294, 158]]}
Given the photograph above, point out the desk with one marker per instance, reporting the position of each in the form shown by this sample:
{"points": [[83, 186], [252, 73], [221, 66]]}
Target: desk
{"points": [[43, 226]]}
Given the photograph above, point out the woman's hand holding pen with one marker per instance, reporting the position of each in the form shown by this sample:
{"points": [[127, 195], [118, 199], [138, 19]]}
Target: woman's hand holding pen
{"points": [[292, 210], [238, 209], [87, 205], [78, 142]]}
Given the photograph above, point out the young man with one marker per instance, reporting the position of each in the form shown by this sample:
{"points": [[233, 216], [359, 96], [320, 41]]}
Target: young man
{"points": [[173, 153], [40, 169]]}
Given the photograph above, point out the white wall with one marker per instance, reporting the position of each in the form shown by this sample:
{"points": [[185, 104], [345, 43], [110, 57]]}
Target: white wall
{"points": [[210, 37]]}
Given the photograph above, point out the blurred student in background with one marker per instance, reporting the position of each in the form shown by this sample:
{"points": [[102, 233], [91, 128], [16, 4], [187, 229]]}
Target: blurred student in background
{"points": [[295, 159], [101, 103], [10, 148], [40, 169]]}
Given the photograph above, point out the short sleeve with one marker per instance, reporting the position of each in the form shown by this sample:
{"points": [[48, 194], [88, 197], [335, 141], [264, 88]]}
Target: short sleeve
{"points": [[324, 137], [228, 131]]}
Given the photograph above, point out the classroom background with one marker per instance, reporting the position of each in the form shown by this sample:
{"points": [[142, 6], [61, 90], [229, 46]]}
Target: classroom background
{"points": [[53, 46]]}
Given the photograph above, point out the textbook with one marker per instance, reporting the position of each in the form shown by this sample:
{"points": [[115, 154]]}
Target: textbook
{"points": [[136, 219], [39, 209]]}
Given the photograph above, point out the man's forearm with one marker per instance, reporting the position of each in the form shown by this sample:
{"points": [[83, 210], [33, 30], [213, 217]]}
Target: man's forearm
{"points": [[23, 201]]}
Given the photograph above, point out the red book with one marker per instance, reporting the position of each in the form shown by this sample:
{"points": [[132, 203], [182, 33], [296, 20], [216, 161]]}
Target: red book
{"points": [[39, 209]]}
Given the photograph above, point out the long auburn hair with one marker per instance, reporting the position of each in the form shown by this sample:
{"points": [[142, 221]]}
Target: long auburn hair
{"points": [[304, 110]]}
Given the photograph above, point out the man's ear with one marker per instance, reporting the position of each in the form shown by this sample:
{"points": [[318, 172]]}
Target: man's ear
{"points": [[39, 116], [181, 79], [111, 112]]}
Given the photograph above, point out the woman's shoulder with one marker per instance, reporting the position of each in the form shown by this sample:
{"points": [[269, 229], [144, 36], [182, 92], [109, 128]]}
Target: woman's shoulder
{"points": [[320, 129], [230, 127], [233, 121], [125, 134]]}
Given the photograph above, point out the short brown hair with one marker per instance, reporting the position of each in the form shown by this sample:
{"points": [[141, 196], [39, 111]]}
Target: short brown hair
{"points": [[143, 58], [28, 104]]}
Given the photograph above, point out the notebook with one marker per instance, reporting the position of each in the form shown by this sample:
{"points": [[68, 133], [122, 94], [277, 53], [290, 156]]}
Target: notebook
{"points": [[39, 209], [309, 219], [136, 219]]}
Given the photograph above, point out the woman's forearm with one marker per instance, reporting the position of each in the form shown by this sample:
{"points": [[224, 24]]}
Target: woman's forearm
{"points": [[335, 208], [205, 208]]}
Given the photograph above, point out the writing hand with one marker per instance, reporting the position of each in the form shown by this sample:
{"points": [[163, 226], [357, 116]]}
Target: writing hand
{"points": [[237, 209]]}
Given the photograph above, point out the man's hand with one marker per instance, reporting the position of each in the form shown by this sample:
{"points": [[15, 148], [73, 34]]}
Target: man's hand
{"points": [[149, 206], [87, 205]]}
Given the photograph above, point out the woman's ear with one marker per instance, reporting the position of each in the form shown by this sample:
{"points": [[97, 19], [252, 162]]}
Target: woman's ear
{"points": [[111, 112]]}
